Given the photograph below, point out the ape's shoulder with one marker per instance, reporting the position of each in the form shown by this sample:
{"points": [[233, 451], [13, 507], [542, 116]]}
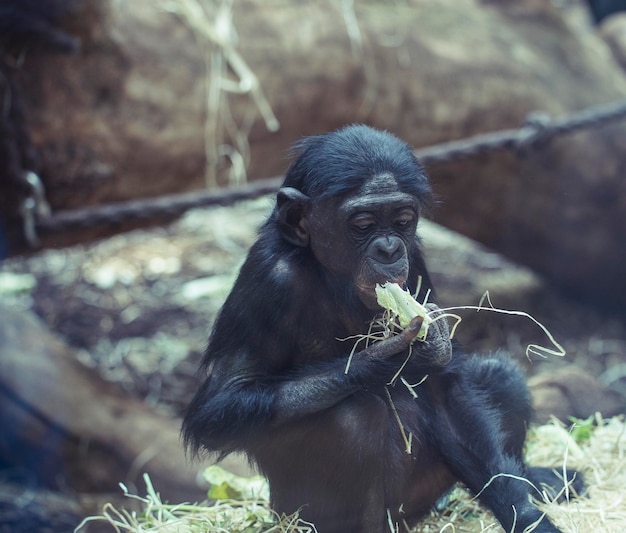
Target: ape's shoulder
{"points": [[274, 265], [260, 315], [269, 284]]}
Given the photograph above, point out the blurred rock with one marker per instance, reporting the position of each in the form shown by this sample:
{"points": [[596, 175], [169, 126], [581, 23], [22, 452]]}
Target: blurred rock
{"points": [[572, 392]]}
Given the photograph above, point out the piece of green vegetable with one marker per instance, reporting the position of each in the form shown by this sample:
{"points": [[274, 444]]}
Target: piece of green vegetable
{"points": [[401, 304]]}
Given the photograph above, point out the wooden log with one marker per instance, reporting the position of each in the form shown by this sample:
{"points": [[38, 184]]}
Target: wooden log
{"points": [[63, 421]]}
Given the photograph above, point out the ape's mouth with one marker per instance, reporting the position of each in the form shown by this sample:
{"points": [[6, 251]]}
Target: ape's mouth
{"points": [[372, 274], [367, 292], [371, 287]]}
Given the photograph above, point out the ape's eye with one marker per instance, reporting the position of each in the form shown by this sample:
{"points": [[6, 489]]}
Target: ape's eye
{"points": [[363, 228], [363, 224], [404, 221]]}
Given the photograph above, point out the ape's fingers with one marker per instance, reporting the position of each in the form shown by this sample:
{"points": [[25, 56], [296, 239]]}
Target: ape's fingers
{"points": [[395, 344]]}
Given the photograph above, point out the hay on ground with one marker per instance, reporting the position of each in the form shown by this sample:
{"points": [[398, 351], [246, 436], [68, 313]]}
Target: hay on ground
{"points": [[596, 447]]}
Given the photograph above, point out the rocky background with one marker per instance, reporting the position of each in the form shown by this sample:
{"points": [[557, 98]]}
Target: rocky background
{"points": [[111, 101], [163, 98]]}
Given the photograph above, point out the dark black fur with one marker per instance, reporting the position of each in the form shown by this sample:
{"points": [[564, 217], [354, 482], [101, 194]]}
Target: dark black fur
{"points": [[328, 441], [368, 152]]}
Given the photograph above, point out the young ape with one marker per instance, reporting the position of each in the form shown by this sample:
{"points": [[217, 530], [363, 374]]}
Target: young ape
{"points": [[277, 387]]}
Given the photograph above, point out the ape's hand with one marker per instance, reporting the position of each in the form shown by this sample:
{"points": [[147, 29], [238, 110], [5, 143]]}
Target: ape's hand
{"points": [[437, 347], [393, 345]]}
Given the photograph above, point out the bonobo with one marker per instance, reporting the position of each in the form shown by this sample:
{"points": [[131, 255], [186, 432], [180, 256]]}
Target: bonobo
{"points": [[329, 440]]}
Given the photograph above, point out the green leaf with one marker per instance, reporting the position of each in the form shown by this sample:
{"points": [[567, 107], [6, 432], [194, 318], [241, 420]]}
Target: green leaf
{"points": [[225, 485], [582, 428]]}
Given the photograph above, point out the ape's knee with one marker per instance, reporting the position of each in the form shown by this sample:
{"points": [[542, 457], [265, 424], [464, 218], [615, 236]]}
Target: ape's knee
{"points": [[501, 378], [503, 385]]}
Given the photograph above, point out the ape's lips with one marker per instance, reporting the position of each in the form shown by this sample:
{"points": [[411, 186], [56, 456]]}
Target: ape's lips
{"points": [[367, 293], [372, 287]]}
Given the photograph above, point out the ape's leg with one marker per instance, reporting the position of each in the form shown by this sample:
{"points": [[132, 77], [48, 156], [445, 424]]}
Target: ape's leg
{"points": [[506, 390], [500, 382], [330, 467], [484, 407]]}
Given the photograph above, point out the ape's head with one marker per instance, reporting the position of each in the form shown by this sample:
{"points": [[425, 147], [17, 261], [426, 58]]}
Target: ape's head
{"points": [[354, 197]]}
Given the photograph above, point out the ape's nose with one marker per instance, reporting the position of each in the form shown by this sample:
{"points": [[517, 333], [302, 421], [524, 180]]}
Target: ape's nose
{"points": [[387, 249]]}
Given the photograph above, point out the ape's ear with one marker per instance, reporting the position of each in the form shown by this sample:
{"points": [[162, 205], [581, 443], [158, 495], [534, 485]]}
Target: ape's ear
{"points": [[292, 207]]}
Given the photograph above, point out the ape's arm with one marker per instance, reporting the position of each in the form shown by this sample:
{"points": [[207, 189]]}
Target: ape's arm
{"points": [[239, 399], [311, 393]]}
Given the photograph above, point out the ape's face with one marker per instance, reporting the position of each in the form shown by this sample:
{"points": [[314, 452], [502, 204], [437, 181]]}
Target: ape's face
{"points": [[366, 236]]}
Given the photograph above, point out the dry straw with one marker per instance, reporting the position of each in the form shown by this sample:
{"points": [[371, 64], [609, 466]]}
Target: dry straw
{"points": [[227, 73], [595, 447]]}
